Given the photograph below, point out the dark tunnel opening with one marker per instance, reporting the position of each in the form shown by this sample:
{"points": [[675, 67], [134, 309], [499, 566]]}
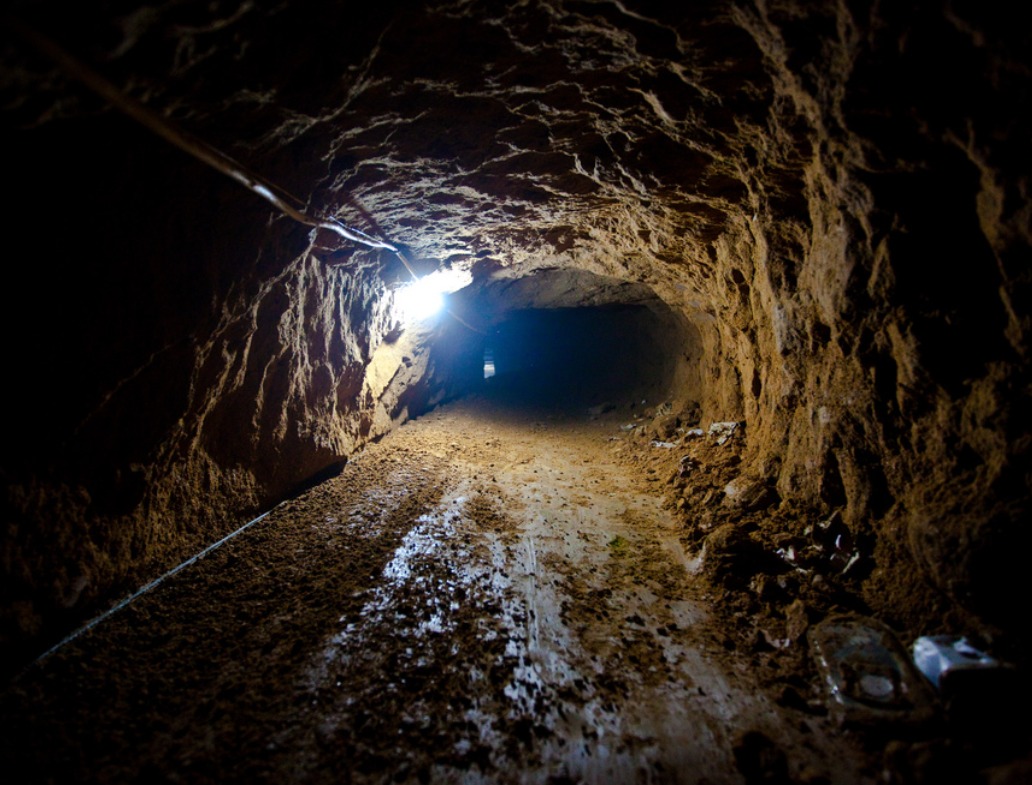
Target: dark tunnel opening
{"points": [[626, 348], [572, 358]]}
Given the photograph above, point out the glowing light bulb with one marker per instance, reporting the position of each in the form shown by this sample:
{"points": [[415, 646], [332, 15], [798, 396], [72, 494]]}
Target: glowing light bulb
{"points": [[418, 302], [422, 299]]}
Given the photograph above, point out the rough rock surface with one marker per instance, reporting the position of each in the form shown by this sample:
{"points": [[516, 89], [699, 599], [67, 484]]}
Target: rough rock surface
{"points": [[834, 199]]}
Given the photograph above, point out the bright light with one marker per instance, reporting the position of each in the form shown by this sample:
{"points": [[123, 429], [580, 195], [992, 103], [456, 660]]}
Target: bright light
{"points": [[418, 302], [421, 299]]}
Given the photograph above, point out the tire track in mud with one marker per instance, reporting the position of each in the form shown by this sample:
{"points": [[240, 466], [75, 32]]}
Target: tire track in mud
{"points": [[537, 626], [483, 596]]}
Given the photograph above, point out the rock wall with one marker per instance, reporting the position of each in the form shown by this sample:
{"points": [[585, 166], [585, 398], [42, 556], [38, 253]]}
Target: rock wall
{"points": [[834, 197], [181, 362], [895, 355]]}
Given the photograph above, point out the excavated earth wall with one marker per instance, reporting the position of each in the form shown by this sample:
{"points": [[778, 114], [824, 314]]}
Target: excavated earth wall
{"points": [[834, 197]]}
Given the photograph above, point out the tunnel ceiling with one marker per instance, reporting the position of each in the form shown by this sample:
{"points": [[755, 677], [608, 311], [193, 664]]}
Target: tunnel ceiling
{"points": [[490, 298], [834, 197], [586, 133]]}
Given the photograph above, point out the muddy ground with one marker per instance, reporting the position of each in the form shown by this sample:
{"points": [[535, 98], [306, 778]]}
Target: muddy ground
{"points": [[492, 593]]}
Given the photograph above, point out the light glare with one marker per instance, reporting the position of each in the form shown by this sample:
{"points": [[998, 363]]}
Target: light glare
{"points": [[422, 299]]}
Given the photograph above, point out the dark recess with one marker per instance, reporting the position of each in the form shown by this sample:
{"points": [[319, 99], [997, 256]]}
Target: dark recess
{"points": [[564, 359]]}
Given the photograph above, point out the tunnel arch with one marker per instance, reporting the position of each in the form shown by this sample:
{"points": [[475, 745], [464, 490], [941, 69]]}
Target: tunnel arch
{"points": [[571, 338]]}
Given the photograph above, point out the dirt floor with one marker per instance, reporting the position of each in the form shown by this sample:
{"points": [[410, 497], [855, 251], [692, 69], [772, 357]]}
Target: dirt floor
{"points": [[489, 594]]}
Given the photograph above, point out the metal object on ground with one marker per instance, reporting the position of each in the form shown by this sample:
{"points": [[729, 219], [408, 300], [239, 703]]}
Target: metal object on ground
{"points": [[980, 694], [942, 657]]}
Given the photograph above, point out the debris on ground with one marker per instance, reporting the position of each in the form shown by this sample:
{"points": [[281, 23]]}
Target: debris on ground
{"points": [[484, 595], [664, 445], [870, 679], [487, 594], [723, 431], [947, 659], [748, 493]]}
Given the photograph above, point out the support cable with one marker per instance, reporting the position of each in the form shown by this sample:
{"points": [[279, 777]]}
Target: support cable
{"points": [[198, 148], [188, 143]]}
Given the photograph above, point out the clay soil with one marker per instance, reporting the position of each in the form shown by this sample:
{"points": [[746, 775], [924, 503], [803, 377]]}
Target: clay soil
{"points": [[489, 594]]}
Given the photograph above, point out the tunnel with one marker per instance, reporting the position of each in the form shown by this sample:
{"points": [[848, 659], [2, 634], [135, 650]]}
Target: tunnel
{"points": [[542, 392], [565, 341], [573, 356]]}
